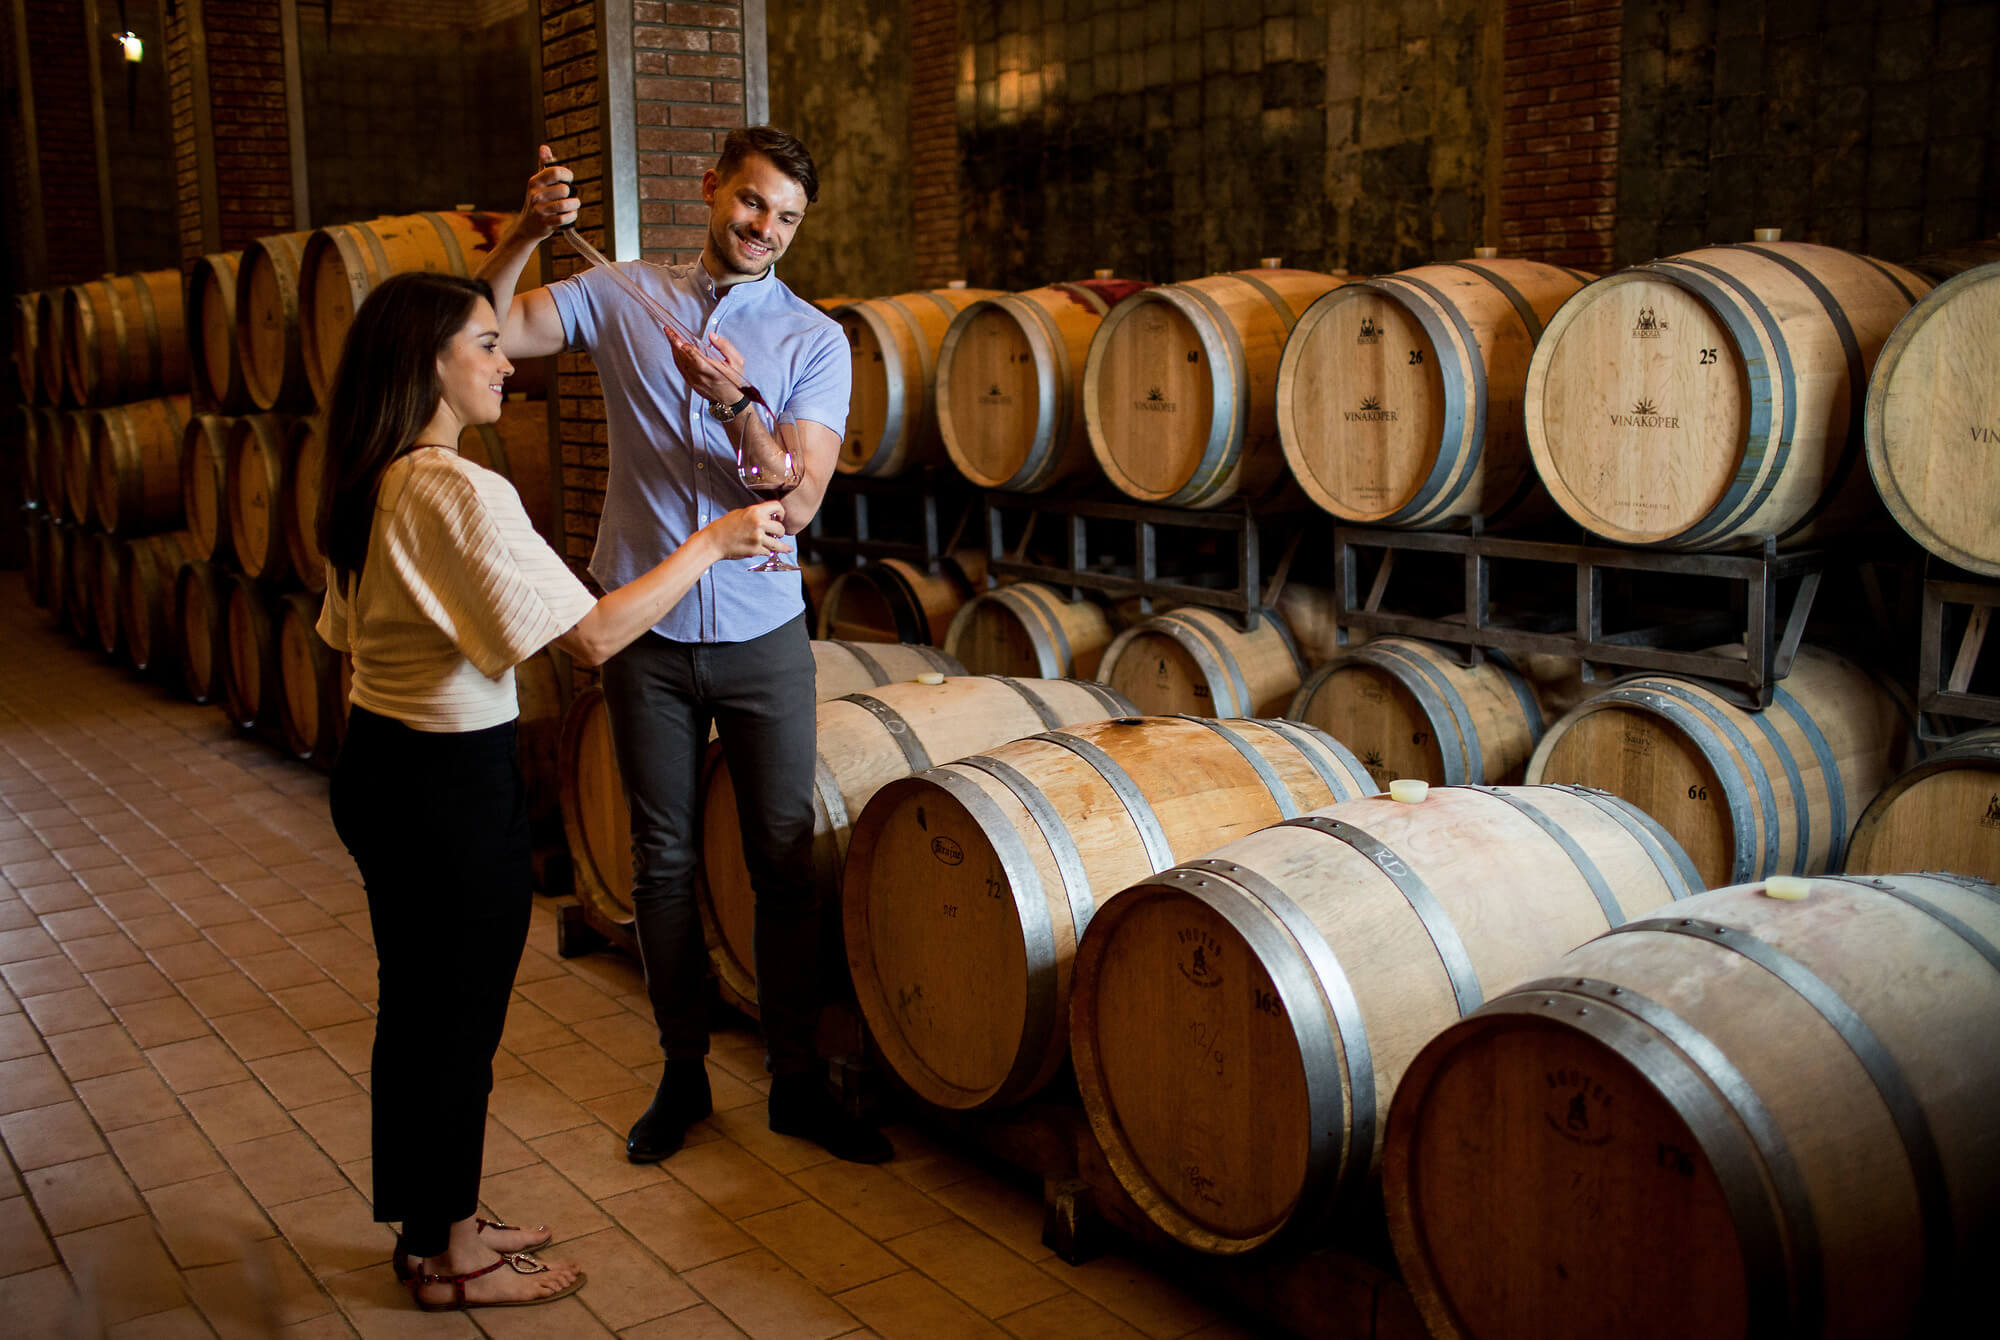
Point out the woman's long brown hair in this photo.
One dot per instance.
(384, 392)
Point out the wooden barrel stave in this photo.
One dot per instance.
(1741, 416)
(1007, 375)
(55, 580)
(1335, 971)
(1409, 710)
(892, 424)
(27, 337)
(269, 345)
(1180, 385)
(343, 263)
(107, 596)
(81, 558)
(1932, 388)
(1791, 1099)
(125, 338)
(50, 340)
(201, 595)
(1748, 794)
(309, 699)
(841, 668)
(255, 487)
(78, 426)
(1399, 398)
(1943, 814)
(215, 366)
(967, 885)
(1200, 661)
(866, 740)
(890, 600)
(135, 465)
(204, 481)
(252, 679)
(1029, 629)
(147, 598)
(298, 510)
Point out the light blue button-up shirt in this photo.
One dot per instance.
(672, 468)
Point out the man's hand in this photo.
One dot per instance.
(551, 203)
(719, 380)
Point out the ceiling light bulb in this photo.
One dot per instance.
(134, 49)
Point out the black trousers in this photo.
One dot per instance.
(661, 697)
(438, 825)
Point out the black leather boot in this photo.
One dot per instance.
(801, 1106)
(681, 1101)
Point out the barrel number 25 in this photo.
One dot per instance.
(1707, 357)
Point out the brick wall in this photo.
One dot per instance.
(1559, 167)
(72, 220)
(453, 15)
(248, 143)
(139, 144)
(182, 129)
(1868, 126)
(936, 198)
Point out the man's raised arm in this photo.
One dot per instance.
(531, 328)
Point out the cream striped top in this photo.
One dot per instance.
(458, 589)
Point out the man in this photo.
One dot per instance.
(735, 651)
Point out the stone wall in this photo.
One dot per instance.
(841, 81)
(1857, 123)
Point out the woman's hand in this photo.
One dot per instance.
(751, 532)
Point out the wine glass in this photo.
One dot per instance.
(772, 480)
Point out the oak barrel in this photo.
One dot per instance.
(252, 679)
(595, 819)
(1747, 794)
(968, 884)
(152, 562)
(1714, 398)
(1408, 709)
(1932, 424)
(135, 465)
(204, 477)
(343, 263)
(215, 367)
(1007, 375)
(107, 605)
(35, 568)
(55, 576)
(890, 600)
(1240, 1021)
(27, 336)
(1180, 384)
(1399, 397)
(201, 598)
(517, 446)
(298, 512)
(80, 560)
(1938, 266)
(1028, 628)
(125, 338)
(73, 451)
(1200, 661)
(33, 422)
(50, 427)
(1750, 1116)
(892, 343)
(50, 339)
(269, 344)
(1943, 814)
(542, 692)
(311, 710)
(866, 740)
(256, 489)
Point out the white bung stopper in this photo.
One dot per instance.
(930, 677)
(1788, 888)
(1409, 790)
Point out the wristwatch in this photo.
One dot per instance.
(724, 413)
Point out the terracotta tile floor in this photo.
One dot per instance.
(186, 993)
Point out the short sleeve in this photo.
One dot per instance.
(578, 313)
(463, 546)
(332, 625)
(825, 382)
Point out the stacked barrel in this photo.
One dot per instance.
(174, 461)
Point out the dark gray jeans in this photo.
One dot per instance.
(661, 697)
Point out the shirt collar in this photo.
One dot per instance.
(753, 290)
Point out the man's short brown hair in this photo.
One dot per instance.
(784, 150)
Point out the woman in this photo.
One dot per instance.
(437, 585)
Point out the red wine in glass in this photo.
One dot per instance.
(771, 481)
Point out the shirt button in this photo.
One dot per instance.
(701, 465)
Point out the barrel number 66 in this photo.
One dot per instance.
(1697, 792)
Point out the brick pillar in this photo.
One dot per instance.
(64, 233)
(934, 153)
(637, 96)
(1559, 173)
(231, 123)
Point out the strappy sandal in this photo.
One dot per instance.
(404, 1274)
(521, 1263)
